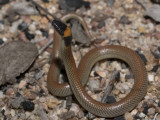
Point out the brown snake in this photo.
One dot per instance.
(78, 76)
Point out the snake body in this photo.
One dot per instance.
(78, 76)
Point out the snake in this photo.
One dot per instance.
(62, 57)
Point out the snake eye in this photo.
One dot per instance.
(59, 26)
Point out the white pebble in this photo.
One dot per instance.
(142, 115)
(13, 112)
(32, 27)
(151, 78)
(75, 108)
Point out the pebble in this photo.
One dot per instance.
(28, 105)
(128, 116)
(9, 92)
(142, 115)
(101, 73)
(28, 95)
(115, 91)
(13, 112)
(52, 102)
(16, 103)
(150, 77)
(1, 41)
(53, 116)
(101, 24)
(44, 33)
(1, 95)
(151, 111)
(157, 109)
(122, 96)
(110, 99)
(134, 112)
(67, 115)
(157, 35)
(29, 35)
(93, 84)
(38, 32)
(75, 108)
(155, 68)
(22, 84)
(22, 26)
(1, 27)
(124, 20)
(158, 117)
(110, 3)
(27, 114)
(32, 27)
(141, 29)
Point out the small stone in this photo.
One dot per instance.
(157, 35)
(110, 99)
(52, 103)
(75, 108)
(145, 110)
(149, 67)
(122, 96)
(22, 26)
(128, 116)
(141, 29)
(151, 88)
(13, 112)
(29, 95)
(151, 77)
(1, 41)
(28, 105)
(29, 35)
(16, 103)
(9, 92)
(44, 33)
(151, 111)
(130, 76)
(142, 115)
(44, 20)
(155, 68)
(102, 74)
(1, 27)
(110, 3)
(67, 115)
(93, 84)
(101, 24)
(134, 112)
(124, 20)
(158, 117)
(22, 84)
(32, 27)
(1, 95)
(53, 116)
(115, 91)
(157, 109)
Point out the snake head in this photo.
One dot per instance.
(61, 28)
